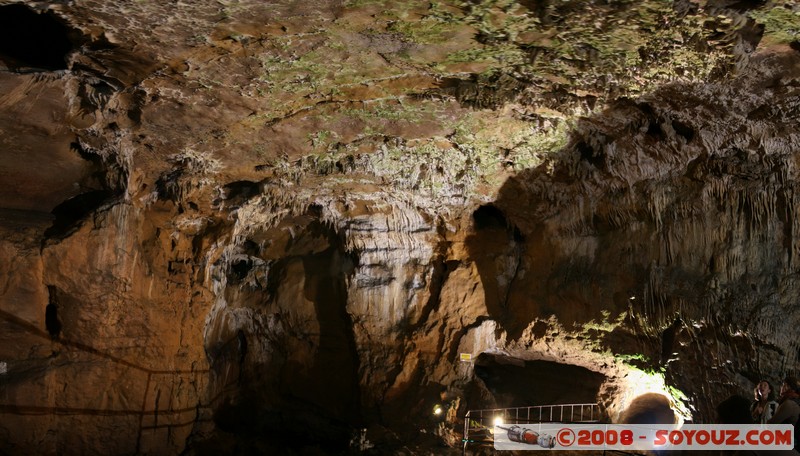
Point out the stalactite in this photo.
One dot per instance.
(718, 188)
(790, 215)
(655, 207)
(669, 248)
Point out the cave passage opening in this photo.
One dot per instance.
(31, 39)
(519, 383)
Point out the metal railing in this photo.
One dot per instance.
(172, 418)
(479, 424)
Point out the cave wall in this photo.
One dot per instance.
(138, 377)
(703, 257)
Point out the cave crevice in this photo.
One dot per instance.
(31, 41)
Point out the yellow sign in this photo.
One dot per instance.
(466, 357)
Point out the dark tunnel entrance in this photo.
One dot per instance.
(649, 408)
(517, 383)
(31, 39)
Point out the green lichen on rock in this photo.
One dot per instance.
(781, 20)
(523, 72)
(391, 110)
(506, 142)
(430, 29)
(602, 49)
(623, 48)
(315, 64)
(480, 151)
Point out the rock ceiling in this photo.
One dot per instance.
(209, 206)
(256, 86)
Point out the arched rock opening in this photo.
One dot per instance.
(496, 247)
(516, 383)
(32, 40)
(649, 408)
(282, 350)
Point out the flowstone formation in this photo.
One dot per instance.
(237, 227)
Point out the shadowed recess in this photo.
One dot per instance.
(28, 39)
(518, 383)
(69, 213)
(649, 408)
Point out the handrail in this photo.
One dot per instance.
(481, 421)
(585, 412)
(23, 410)
(32, 329)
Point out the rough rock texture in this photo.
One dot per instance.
(237, 227)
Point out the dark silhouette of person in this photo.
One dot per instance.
(734, 410)
(668, 338)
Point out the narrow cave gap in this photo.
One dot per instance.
(684, 130)
(518, 383)
(168, 186)
(489, 216)
(326, 275)
(51, 320)
(314, 210)
(99, 186)
(71, 212)
(251, 248)
(540, 8)
(738, 5)
(239, 192)
(33, 40)
(654, 130)
(668, 339)
(276, 276)
(440, 271)
(496, 247)
(590, 155)
(278, 399)
(100, 175)
(239, 270)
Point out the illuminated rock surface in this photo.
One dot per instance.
(241, 227)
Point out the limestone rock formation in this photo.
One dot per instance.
(237, 227)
